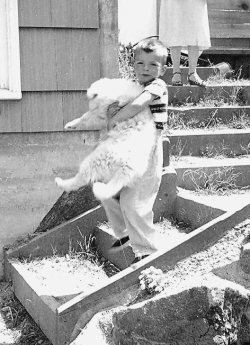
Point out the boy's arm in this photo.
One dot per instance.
(132, 108)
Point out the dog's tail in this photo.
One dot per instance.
(104, 191)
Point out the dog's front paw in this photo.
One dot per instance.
(59, 182)
(100, 191)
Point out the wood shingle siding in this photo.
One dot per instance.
(229, 22)
(65, 45)
(59, 13)
(41, 111)
(59, 59)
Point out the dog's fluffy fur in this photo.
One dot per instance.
(124, 154)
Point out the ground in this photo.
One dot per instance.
(17, 328)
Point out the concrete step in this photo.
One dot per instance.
(224, 115)
(227, 93)
(204, 73)
(204, 143)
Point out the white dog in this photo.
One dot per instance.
(124, 153)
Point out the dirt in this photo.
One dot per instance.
(220, 258)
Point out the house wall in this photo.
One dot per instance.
(65, 45)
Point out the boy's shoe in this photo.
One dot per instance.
(139, 258)
(119, 244)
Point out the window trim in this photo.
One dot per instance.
(13, 53)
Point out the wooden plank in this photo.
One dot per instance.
(227, 51)
(228, 16)
(38, 59)
(230, 30)
(77, 58)
(229, 4)
(58, 13)
(108, 11)
(42, 111)
(58, 59)
(60, 236)
(75, 13)
(230, 42)
(10, 116)
(42, 308)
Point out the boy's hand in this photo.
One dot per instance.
(113, 109)
(111, 112)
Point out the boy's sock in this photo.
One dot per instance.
(139, 258)
(119, 244)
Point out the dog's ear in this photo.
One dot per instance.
(113, 109)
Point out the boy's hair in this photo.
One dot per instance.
(150, 45)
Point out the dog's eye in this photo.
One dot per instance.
(102, 117)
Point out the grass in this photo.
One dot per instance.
(181, 121)
(22, 327)
(222, 181)
(85, 254)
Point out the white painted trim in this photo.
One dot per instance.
(13, 55)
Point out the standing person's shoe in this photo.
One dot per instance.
(139, 258)
(197, 81)
(119, 244)
(177, 82)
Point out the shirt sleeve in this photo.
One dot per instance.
(157, 88)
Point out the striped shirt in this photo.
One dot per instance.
(158, 106)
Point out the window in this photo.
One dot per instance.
(10, 78)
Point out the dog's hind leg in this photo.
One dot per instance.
(104, 191)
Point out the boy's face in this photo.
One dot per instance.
(148, 66)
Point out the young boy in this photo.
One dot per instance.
(131, 214)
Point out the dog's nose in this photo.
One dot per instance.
(68, 126)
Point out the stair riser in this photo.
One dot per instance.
(193, 177)
(202, 145)
(199, 115)
(223, 94)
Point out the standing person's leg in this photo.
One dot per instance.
(193, 77)
(137, 204)
(113, 211)
(175, 57)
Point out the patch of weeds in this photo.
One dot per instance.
(211, 122)
(178, 120)
(217, 152)
(16, 318)
(222, 151)
(212, 100)
(227, 319)
(239, 121)
(245, 150)
(152, 280)
(221, 181)
(126, 61)
(176, 151)
(84, 251)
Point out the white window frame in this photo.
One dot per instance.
(13, 73)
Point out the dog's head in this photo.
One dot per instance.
(106, 97)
